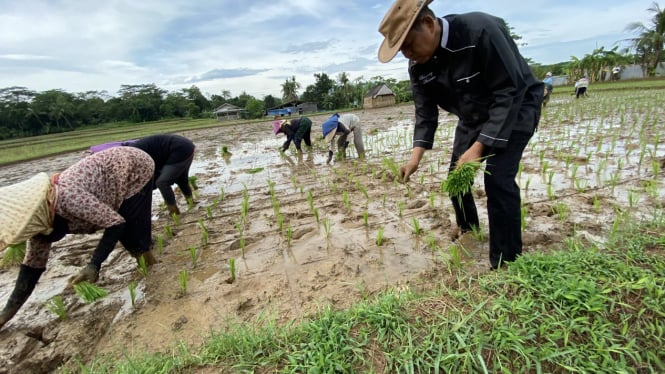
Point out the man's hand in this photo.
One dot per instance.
(472, 154)
(406, 170)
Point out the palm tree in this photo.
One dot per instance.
(649, 44)
(290, 90)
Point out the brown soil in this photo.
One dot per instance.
(277, 277)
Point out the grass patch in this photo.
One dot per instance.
(577, 309)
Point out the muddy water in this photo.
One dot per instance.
(574, 177)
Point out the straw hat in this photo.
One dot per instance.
(396, 24)
(25, 209)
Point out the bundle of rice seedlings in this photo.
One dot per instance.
(89, 292)
(13, 255)
(460, 180)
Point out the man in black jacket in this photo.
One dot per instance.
(296, 130)
(468, 65)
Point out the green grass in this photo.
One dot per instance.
(578, 308)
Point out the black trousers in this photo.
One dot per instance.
(137, 212)
(503, 200)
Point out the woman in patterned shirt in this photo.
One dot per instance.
(111, 191)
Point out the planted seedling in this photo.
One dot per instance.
(143, 266)
(132, 292)
(232, 270)
(56, 305)
(183, 280)
(379, 236)
(416, 226)
(89, 292)
(192, 254)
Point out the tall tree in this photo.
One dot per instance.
(290, 89)
(651, 40)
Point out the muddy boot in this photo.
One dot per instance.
(173, 209)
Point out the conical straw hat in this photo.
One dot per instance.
(24, 209)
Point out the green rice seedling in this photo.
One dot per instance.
(550, 192)
(561, 210)
(89, 292)
(176, 218)
(460, 180)
(192, 254)
(294, 181)
(232, 269)
(523, 214)
(633, 198)
(345, 199)
(416, 226)
(365, 218)
(289, 235)
(183, 280)
(209, 212)
(255, 170)
(143, 267)
(363, 189)
(455, 257)
(192, 182)
(190, 202)
(432, 197)
(316, 215)
(56, 305)
(132, 292)
(204, 232)
(280, 221)
(580, 184)
(160, 245)
(431, 241)
(379, 236)
(221, 194)
(400, 208)
(310, 199)
(391, 165)
(478, 233)
(169, 231)
(596, 204)
(13, 255)
(326, 227)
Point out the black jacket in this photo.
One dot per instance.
(478, 74)
(165, 149)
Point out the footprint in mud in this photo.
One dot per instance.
(416, 204)
(301, 232)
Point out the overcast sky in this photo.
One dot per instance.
(255, 45)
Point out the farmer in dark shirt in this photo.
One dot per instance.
(173, 155)
(296, 130)
(468, 65)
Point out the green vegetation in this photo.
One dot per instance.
(89, 292)
(13, 255)
(576, 309)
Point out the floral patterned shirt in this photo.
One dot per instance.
(90, 192)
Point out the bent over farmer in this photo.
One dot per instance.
(110, 190)
(343, 125)
(296, 130)
(469, 65)
(173, 155)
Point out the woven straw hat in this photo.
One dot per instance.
(396, 24)
(24, 210)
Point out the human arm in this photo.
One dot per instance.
(25, 284)
(411, 166)
(474, 153)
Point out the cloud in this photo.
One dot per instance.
(222, 74)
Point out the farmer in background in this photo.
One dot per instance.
(173, 155)
(343, 125)
(110, 190)
(580, 87)
(296, 130)
(469, 65)
(548, 88)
